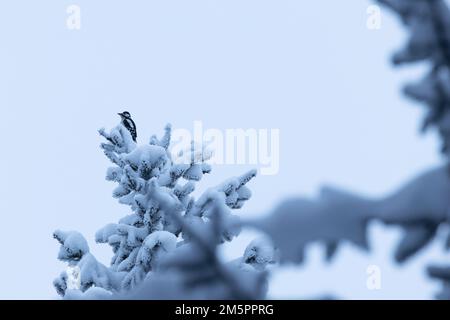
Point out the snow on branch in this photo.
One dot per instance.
(428, 23)
(170, 235)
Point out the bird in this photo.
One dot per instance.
(129, 124)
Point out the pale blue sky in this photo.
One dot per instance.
(309, 68)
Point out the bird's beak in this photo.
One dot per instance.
(120, 114)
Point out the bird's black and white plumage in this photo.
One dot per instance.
(128, 123)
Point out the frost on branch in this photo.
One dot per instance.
(170, 236)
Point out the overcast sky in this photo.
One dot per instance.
(311, 69)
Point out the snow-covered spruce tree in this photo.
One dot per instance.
(422, 205)
(428, 23)
(167, 246)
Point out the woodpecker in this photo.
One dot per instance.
(128, 123)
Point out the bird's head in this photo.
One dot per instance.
(125, 114)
